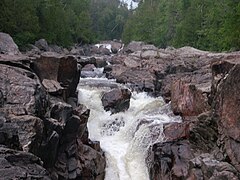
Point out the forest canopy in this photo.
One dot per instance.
(62, 22)
(204, 24)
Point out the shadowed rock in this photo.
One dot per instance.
(116, 100)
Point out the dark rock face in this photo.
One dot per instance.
(206, 166)
(62, 69)
(140, 80)
(187, 99)
(34, 118)
(7, 45)
(171, 160)
(22, 92)
(212, 139)
(226, 105)
(116, 100)
(52, 87)
(21, 165)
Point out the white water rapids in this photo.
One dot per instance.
(125, 137)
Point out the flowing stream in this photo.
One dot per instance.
(125, 137)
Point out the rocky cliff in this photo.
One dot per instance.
(203, 88)
(43, 129)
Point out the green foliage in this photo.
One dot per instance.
(108, 19)
(18, 18)
(205, 24)
(62, 22)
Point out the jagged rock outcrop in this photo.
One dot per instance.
(211, 116)
(226, 106)
(116, 100)
(35, 119)
(188, 100)
(7, 45)
(21, 165)
(62, 69)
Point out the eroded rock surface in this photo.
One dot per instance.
(116, 100)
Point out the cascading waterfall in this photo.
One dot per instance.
(127, 136)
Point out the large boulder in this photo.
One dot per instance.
(115, 45)
(116, 100)
(226, 107)
(34, 121)
(29, 129)
(170, 160)
(22, 92)
(139, 79)
(205, 166)
(21, 165)
(188, 100)
(134, 46)
(63, 69)
(42, 44)
(7, 45)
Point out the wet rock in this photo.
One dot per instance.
(83, 113)
(30, 131)
(72, 164)
(116, 100)
(33, 120)
(206, 166)
(8, 134)
(21, 165)
(170, 160)
(49, 148)
(101, 62)
(93, 159)
(176, 131)
(1, 99)
(116, 46)
(86, 60)
(140, 79)
(101, 50)
(88, 67)
(204, 133)
(89, 74)
(60, 111)
(53, 87)
(23, 94)
(7, 45)
(42, 44)
(187, 99)
(226, 109)
(62, 69)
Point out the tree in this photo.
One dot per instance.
(15, 18)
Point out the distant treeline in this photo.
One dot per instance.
(62, 22)
(204, 24)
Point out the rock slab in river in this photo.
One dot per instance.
(116, 100)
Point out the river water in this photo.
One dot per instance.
(125, 137)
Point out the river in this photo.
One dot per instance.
(126, 137)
